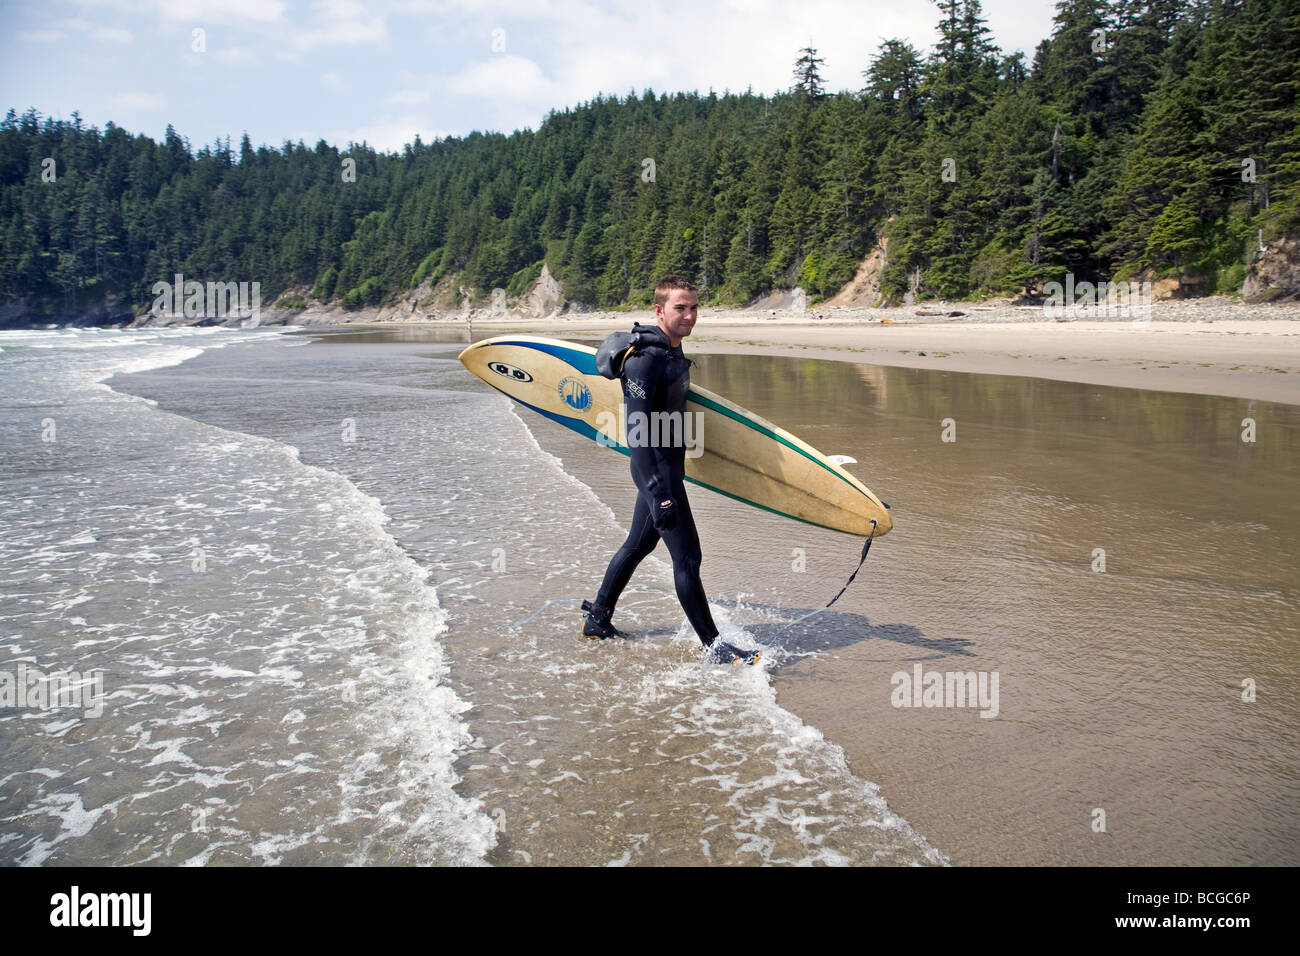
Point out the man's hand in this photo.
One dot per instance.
(665, 515)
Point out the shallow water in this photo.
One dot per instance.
(340, 682)
(1123, 560)
(564, 750)
(271, 686)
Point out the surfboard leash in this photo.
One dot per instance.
(866, 548)
(556, 601)
(863, 560)
(544, 607)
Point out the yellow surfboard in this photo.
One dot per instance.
(736, 453)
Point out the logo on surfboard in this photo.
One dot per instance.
(509, 371)
(575, 394)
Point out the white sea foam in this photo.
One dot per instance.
(751, 780)
(237, 647)
(295, 693)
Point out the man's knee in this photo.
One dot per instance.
(644, 548)
(688, 565)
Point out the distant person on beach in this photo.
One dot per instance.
(656, 377)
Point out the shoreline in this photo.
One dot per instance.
(810, 691)
(1249, 358)
(1245, 359)
(913, 765)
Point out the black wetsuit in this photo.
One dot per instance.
(655, 379)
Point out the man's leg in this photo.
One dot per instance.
(683, 543)
(641, 540)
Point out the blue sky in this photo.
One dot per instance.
(382, 72)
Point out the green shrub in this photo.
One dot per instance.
(324, 289)
(426, 266)
(521, 280)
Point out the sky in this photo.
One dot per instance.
(383, 72)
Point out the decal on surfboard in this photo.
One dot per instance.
(575, 394)
(509, 371)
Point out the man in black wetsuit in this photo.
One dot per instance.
(655, 379)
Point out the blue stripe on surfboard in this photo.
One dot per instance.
(583, 361)
(573, 424)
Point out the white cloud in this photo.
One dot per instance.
(41, 36)
(340, 23)
(409, 98)
(201, 12)
(342, 9)
(502, 92)
(97, 31)
(137, 100)
(112, 34)
(618, 45)
(234, 54)
(501, 77)
(222, 11)
(388, 134)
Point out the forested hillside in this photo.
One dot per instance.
(1155, 138)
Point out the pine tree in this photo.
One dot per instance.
(807, 75)
(894, 79)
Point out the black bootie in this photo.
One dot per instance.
(597, 624)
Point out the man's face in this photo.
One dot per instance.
(677, 316)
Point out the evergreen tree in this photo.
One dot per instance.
(807, 74)
(1150, 137)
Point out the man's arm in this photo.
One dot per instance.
(642, 388)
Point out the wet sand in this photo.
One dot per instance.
(1120, 689)
(1122, 736)
(1251, 359)
(1202, 346)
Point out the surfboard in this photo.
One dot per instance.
(730, 450)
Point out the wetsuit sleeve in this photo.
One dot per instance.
(644, 391)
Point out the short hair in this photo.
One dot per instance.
(670, 283)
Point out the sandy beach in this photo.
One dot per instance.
(951, 781)
(1207, 347)
(1259, 360)
(359, 499)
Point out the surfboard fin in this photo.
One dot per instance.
(842, 459)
